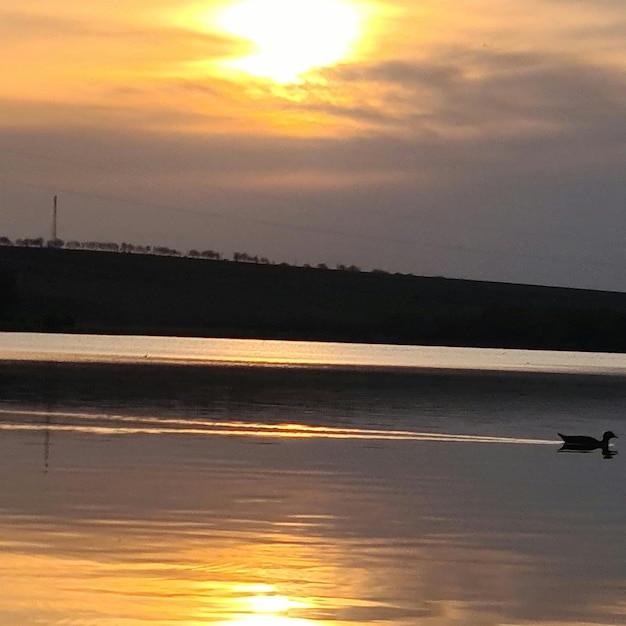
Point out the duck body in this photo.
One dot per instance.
(582, 442)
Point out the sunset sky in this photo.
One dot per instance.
(476, 139)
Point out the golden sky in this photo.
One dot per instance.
(450, 101)
(306, 66)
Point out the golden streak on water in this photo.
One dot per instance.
(156, 426)
(151, 586)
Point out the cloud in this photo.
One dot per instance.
(56, 57)
(20, 26)
(404, 73)
(375, 202)
(488, 161)
(494, 93)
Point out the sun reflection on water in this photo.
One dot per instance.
(109, 517)
(267, 609)
(269, 604)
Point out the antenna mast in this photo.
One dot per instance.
(54, 219)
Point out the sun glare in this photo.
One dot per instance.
(269, 604)
(291, 37)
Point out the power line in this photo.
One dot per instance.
(111, 170)
(313, 229)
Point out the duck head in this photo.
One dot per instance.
(609, 434)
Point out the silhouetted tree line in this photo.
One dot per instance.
(129, 248)
(103, 246)
(205, 254)
(244, 257)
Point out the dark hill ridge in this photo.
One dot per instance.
(101, 292)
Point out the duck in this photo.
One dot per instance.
(582, 442)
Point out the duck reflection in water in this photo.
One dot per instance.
(582, 443)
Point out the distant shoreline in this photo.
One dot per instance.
(59, 290)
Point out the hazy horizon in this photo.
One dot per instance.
(469, 140)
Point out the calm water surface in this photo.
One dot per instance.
(155, 481)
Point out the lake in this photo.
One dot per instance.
(184, 482)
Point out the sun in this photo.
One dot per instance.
(291, 37)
